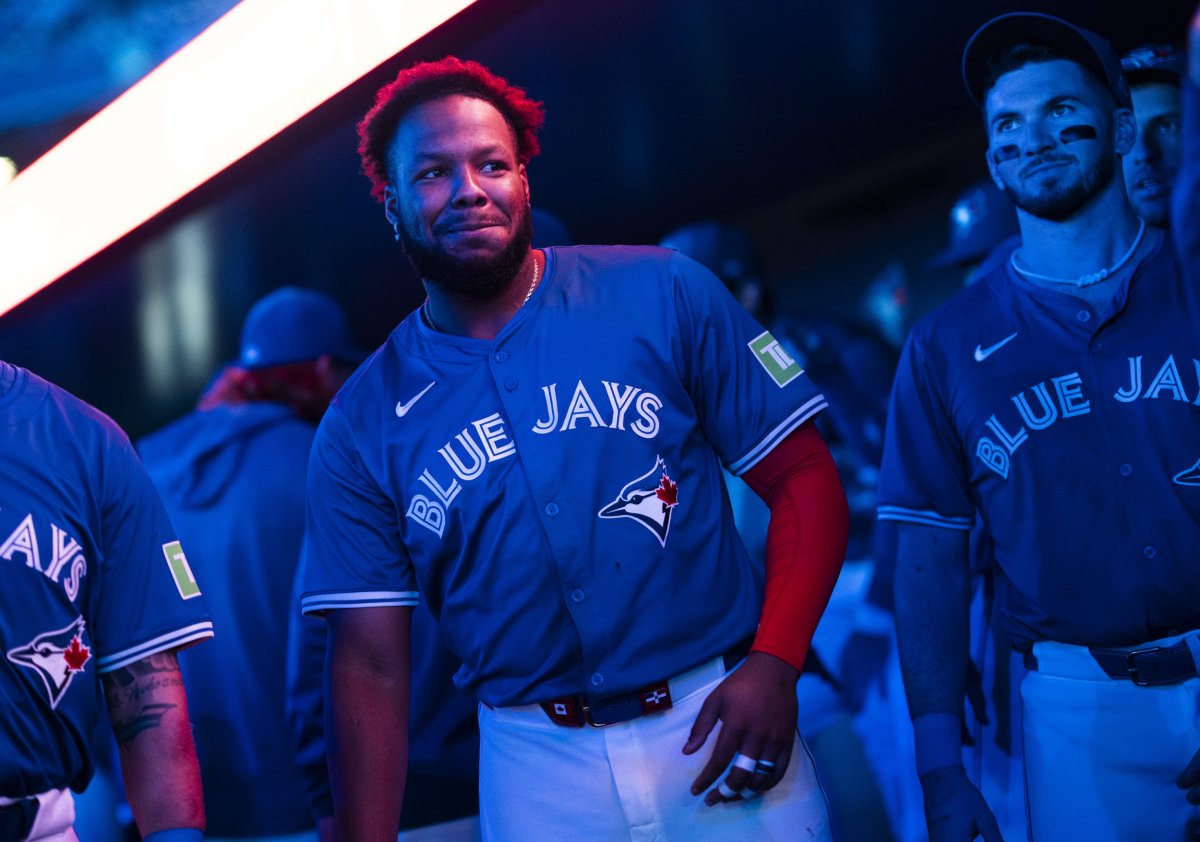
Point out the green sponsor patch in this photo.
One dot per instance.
(181, 572)
(771, 356)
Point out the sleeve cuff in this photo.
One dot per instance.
(780, 432)
(319, 603)
(925, 517)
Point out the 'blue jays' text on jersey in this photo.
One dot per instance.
(1075, 432)
(94, 579)
(556, 493)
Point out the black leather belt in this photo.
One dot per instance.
(16, 819)
(1146, 667)
(578, 711)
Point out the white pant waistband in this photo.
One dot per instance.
(1067, 660)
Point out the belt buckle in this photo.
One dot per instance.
(1134, 676)
(611, 712)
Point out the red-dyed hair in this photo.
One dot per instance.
(431, 80)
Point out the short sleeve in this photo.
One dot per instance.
(353, 555)
(748, 390)
(149, 600)
(923, 478)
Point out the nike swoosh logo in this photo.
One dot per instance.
(982, 354)
(403, 408)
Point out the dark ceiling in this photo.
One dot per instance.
(823, 128)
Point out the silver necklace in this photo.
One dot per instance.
(428, 317)
(1085, 280)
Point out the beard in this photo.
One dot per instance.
(478, 278)
(1060, 201)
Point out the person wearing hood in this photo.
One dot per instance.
(232, 477)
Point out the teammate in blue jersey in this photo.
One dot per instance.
(232, 477)
(537, 454)
(97, 598)
(1056, 400)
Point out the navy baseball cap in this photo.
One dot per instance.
(1153, 63)
(982, 218)
(1074, 42)
(292, 325)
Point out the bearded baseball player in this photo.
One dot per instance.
(1057, 401)
(537, 454)
(97, 596)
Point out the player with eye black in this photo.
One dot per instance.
(1055, 402)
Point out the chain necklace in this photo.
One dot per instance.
(1085, 280)
(428, 317)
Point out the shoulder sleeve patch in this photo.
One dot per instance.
(772, 357)
(181, 571)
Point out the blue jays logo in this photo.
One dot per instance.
(56, 657)
(649, 500)
(1189, 476)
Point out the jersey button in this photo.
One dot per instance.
(578, 595)
(510, 384)
(1126, 470)
(1083, 316)
(597, 680)
(501, 356)
(552, 509)
(1149, 552)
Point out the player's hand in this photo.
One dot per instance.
(757, 707)
(954, 809)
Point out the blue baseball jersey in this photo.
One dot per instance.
(1074, 431)
(94, 579)
(556, 493)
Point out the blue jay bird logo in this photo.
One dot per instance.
(649, 500)
(1189, 476)
(56, 657)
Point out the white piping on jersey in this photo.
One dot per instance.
(358, 599)
(170, 640)
(925, 517)
(814, 405)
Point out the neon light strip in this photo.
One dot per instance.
(250, 75)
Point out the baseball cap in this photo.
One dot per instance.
(1076, 43)
(1153, 63)
(981, 218)
(292, 325)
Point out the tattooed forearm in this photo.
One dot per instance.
(140, 695)
(151, 717)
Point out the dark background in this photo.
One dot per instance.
(838, 134)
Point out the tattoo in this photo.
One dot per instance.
(151, 717)
(131, 694)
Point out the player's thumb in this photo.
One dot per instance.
(703, 725)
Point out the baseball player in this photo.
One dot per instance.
(537, 453)
(232, 476)
(98, 596)
(1055, 399)
(1153, 72)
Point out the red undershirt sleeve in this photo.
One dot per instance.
(806, 540)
